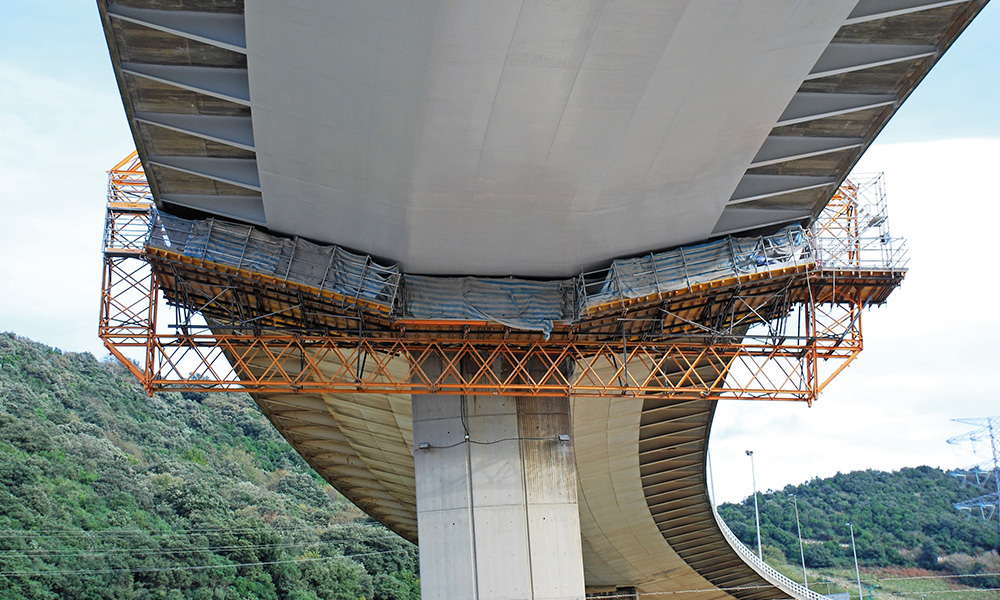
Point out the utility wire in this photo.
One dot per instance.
(956, 576)
(933, 592)
(186, 568)
(22, 533)
(90, 552)
(632, 595)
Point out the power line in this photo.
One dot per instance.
(935, 592)
(956, 576)
(187, 567)
(21, 533)
(149, 550)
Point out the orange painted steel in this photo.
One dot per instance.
(277, 363)
(790, 366)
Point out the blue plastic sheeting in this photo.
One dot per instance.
(681, 268)
(516, 303)
(328, 268)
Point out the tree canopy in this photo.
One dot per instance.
(106, 492)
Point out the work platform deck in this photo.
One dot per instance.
(774, 317)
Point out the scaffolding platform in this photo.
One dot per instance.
(771, 317)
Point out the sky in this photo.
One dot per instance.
(930, 355)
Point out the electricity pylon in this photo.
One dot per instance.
(988, 430)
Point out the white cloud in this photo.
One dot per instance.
(57, 140)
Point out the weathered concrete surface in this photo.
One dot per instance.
(496, 492)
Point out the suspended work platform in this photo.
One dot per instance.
(771, 317)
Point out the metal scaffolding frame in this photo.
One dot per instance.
(778, 334)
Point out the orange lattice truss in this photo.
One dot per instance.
(785, 333)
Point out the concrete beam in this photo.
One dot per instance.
(223, 30)
(243, 208)
(218, 82)
(783, 148)
(872, 10)
(232, 131)
(756, 187)
(843, 58)
(241, 172)
(809, 106)
(734, 218)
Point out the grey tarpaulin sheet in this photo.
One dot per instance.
(328, 268)
(516, 303)
(680, 268)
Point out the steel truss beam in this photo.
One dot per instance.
(809, 324)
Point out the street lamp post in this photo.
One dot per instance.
(756, 510)
(802, 552)
(857, 572)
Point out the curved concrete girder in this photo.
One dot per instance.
(623, 544)
(315, 440)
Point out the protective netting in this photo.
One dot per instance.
(328, 268)
(690, 265)
(516, 303)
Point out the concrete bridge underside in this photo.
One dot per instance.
(433, 133)
(645, 516)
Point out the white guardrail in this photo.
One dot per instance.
(793, 588)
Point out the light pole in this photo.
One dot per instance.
(857, 572)
(802, 552)
(756, 511)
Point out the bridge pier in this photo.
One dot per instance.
(497, 511)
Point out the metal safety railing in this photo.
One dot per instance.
(779, 579)
(683, 268)
(127, 221)
(852, 234)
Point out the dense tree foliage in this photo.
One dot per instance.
(905, 518)
(108, 493)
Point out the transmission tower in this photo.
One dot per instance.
(987, 430)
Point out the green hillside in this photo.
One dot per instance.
(905, 528)
(108, 493)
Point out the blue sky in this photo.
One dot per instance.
(930, 354)
(960, 96)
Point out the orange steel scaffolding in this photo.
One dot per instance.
(794, 329)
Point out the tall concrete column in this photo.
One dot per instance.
(497, 511)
